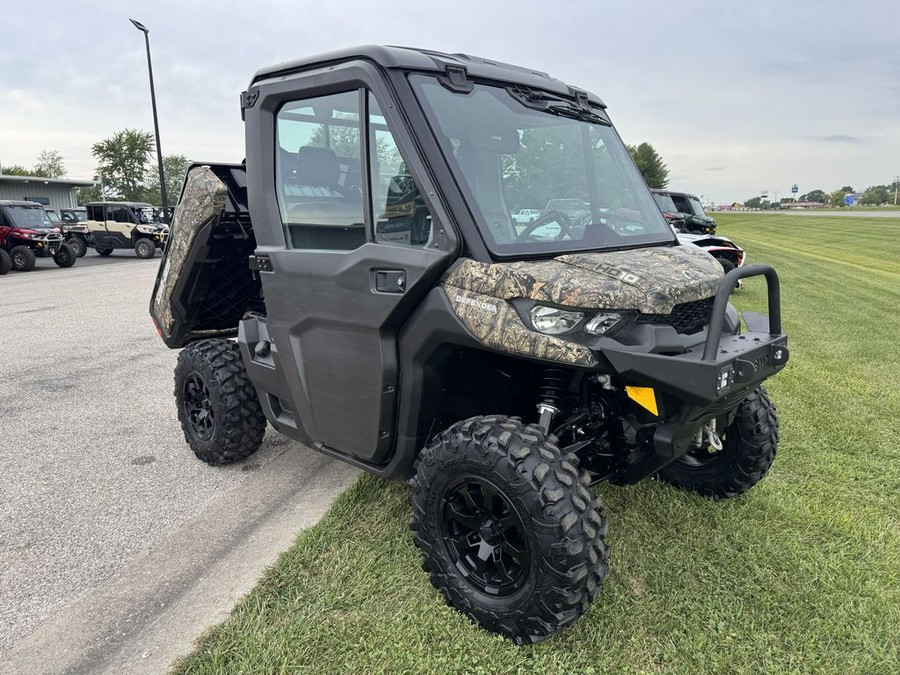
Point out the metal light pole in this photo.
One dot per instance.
(162, 176)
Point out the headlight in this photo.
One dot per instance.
(553, 321)
(602, 322)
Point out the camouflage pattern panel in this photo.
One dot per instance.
(202, 200)
(665, 275)
(650, 280)
(495, 324)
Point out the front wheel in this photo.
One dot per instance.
(65, 257)
(218, 407)
(23, 259)
(507, 528)
(145, 248)
(748, 449)
(78, 245)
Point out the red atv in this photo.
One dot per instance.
(27, 234)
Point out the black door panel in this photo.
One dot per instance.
(342, 336)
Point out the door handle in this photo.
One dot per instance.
(390, 281)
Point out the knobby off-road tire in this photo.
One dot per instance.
(5, 262)
(104, 251)
(726, 264)
(23, 259)
(145, 248)
(748, 449)
(507, 528)
(78, 245)
(218, 407)
(65, 257)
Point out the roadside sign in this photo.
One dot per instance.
(794, 189)
(849, 200)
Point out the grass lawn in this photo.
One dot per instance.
(801, 574)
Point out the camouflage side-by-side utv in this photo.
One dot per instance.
(360, 284)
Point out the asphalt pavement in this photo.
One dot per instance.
(117, 546)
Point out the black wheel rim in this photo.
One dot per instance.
(198, 407)
(18, 259)
(485, 536)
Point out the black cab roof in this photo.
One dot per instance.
(673, 192)
(425, 60)
(20, 202)
(139, 205)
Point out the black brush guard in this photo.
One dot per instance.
(710, 379)
(722, 367)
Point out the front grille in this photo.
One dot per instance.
(687, 318)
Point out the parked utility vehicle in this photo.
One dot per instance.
(27, 234)
(505, 372)
(120, 225)
(687, 209)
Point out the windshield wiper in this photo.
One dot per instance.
(576, 113)
(556, 105)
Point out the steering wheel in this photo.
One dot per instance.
(559, 217)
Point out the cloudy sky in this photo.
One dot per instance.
(737, 96)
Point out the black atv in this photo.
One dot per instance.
(361, 285)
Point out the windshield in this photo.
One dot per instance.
(74, 216)
(696, 206)
(665, 203)
(147, 215)
(53, 216)
(512, 149)
(28, 217)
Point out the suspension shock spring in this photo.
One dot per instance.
(551, 393)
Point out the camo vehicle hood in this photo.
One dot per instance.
(649, 280)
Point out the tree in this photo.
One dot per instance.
(814, 196)
(875, 195)
(836, 198)
(124, 160)
(50, 164)
(175, 167)
(650, 164)
(15, 170)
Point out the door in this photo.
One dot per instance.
(119, 224)
(360, 250)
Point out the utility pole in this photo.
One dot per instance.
(159, 158)
(896, 186)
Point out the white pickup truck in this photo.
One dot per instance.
(526, 216)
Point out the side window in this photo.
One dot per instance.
(118, 213)
(95, 213)
(400, 213)
(318, 172)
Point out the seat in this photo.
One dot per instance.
(318, 172)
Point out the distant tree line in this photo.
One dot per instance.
(126, 169)
(874, 195)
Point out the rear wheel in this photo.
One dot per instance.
(65, 257)
(507, 528)
(218, 407)
(5, 262)
(748, 449)
(104, 251)
(23, 258)
(145, 248)
(78, 245)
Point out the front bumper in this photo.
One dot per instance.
(47, 246)
(723, 368)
